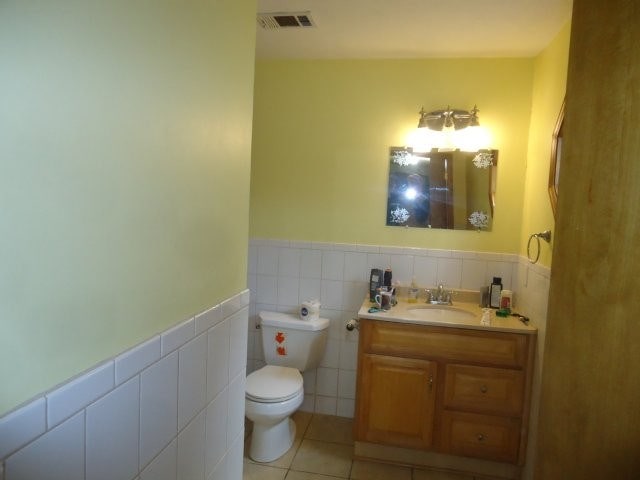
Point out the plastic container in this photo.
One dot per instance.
(506, 299)
(412, 293)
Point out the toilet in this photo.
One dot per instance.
(275, 391)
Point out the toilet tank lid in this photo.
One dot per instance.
(285, 320)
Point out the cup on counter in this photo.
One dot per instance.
(383, 300)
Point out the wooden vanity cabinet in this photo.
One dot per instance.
(400, 406)
(448, 390)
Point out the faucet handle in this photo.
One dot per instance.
(450, 295)
(428, 294)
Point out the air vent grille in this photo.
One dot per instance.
(274, 21)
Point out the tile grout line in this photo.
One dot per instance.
(298, 447)
(84, 444)
(138, 466)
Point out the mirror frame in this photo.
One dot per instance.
(556, 158)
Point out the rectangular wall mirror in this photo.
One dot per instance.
(451, 190)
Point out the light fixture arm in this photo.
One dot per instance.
(447, 118)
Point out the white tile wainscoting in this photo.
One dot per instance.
(282, 274)
(170, 408)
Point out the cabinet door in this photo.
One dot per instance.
(396, 398)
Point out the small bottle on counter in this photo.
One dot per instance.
(412, 294)
(494, 292)
(506, 298)
(387, 278)
(484, 297)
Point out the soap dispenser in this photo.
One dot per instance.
(494, 292)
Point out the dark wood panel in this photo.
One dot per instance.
(589, 418)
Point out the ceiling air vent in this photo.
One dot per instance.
(274, 21)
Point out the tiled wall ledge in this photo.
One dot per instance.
(169, 408)
(284, 273)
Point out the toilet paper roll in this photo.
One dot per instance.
(310, 310)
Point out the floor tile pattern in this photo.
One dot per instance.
(323, 450)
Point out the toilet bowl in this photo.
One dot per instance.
(272, 394)
(275, 391)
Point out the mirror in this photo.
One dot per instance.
(554, 165)
(451, 190)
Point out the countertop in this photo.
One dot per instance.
(402, 313)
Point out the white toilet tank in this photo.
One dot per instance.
(290, 342)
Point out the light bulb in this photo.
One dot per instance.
(423, 139)
(472, 139)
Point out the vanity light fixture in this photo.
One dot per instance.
(439, 119)
(449, 129)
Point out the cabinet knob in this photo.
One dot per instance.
(430, 382)
(481, 437)
(484, 389)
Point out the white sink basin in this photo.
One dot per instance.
(440, 313)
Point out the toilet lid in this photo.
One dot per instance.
(272, 383)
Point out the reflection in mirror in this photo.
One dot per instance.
(554, 165)
(452, 190)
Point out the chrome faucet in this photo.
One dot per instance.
(439, 296)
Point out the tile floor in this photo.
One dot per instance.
(323, 450)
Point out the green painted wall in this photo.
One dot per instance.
(322, 130)
(549, 86)
(125, 133)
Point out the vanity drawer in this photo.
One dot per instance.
(494, 391)
(483, 436)
(419, 341)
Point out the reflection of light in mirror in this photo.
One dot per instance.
(410, 193)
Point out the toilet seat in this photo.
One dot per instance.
(272, 384)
